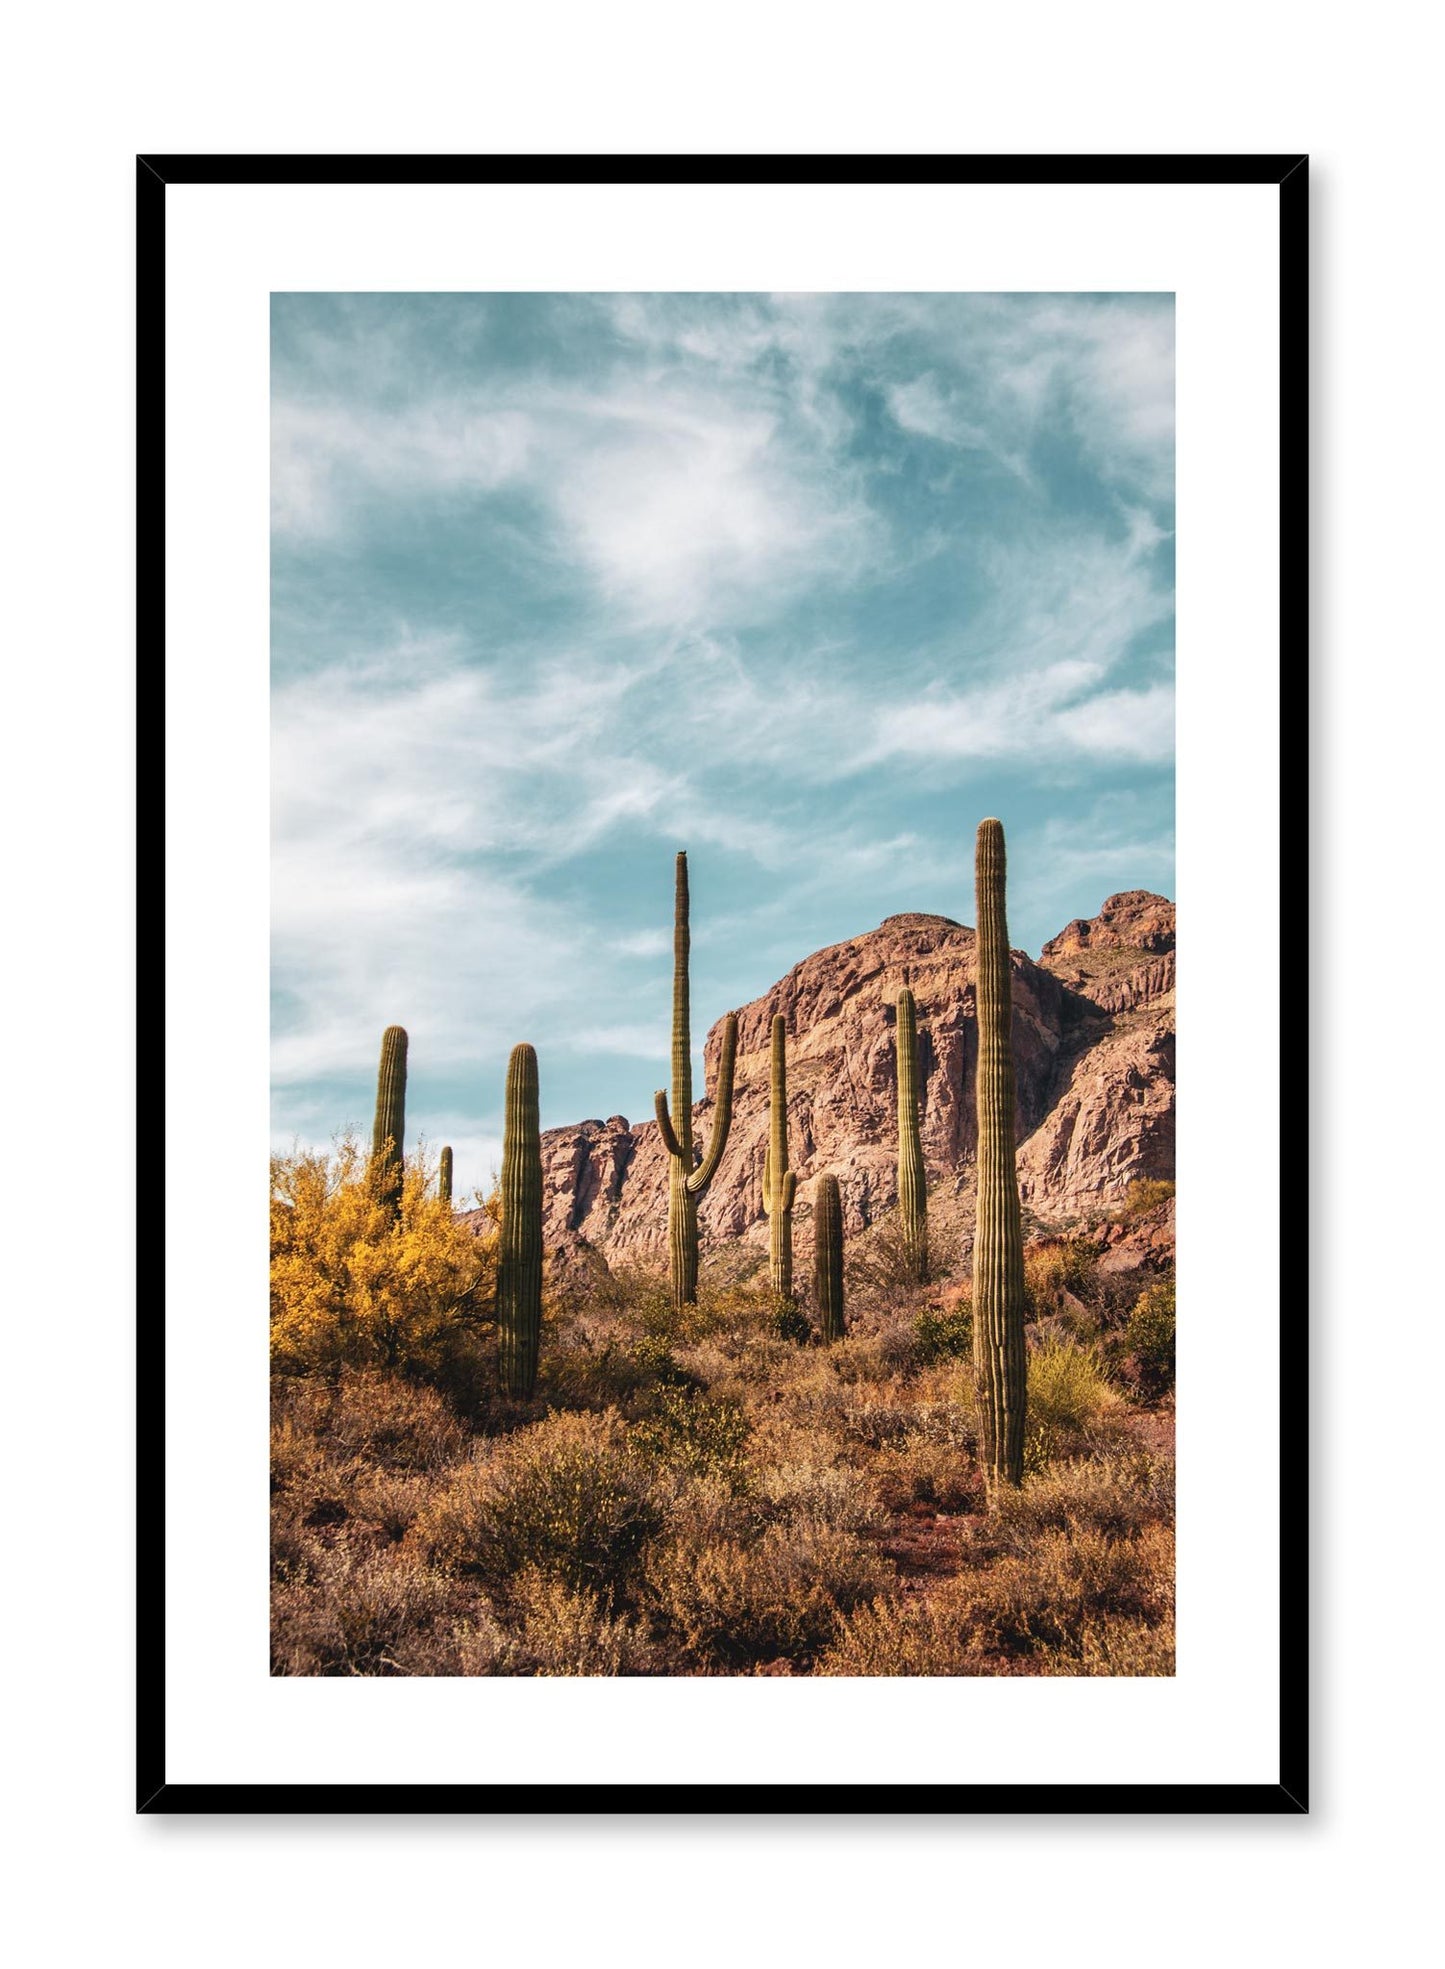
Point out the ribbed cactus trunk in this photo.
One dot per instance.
(828, 1256)
(519, 1256)
(912, 1182)
(999, 1359)
(388, 1131)
(779, 1183)
(686, 1182)
(444, 1177)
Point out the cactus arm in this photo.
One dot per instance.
(444, 1177)
(767, 1181)
(722, 1119)
(790, 1188)
(664, 1124)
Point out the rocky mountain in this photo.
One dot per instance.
(1093, 1028)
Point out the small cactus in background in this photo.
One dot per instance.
(780, 1185)
(444, 1177)
(999, 1294)
(519, 1254)
(686, 1182)
(912, 1182)
(828, 1256)
(388, 1131)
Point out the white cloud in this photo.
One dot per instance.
(325, 456)
(637, 1042)
(1007, 371)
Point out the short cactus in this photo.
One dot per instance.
(689, 1182)
(444, 1177)
(780, 1185)
(912, 1182)
(388, 1133)
(828, 1257)
(999, 1356)
(519, 1255)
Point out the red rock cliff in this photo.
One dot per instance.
(1093, 1050)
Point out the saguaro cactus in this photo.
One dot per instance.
(828, 1256)
(444, 1177)
(912, 1183)
(780, 1185)
(519, 1254)
(388, 1132)
(999, 1359)
(689, 1181)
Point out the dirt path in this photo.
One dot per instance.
(926, 1545)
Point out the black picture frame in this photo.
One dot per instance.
(155, 172)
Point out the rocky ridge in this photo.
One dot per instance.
(1093, 1029)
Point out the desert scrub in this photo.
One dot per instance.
(1110, 1644)
(1148, 1342)
(1144, 1193)
(944, 1332)
(357, 1611)
(1053, 1595)
(570, 1496)
(921, 1469)
(589, 1365)
(794, 1479)
(1084, 1605)
(690, 1433)
(732, 1604)
(1057, 1267)
(542, 1628)
(378, 1418)
(1116, 1495)
(1070, 1396)
(922, 1634)
(879, 1272)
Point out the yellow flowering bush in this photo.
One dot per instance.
(354, 1285)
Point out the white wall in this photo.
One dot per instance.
(89, 88)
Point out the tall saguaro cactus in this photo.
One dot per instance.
(999, 1359)
(388, 1131)
(912, 1182)
(780, 1185)
(519, 1255)
(828, 1256)
(688, 1180)
(444, 1177)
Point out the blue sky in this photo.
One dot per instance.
(804, 584)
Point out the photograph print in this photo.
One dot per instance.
(722, 1178)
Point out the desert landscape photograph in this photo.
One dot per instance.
(723, 985)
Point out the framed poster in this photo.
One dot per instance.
(751, 651)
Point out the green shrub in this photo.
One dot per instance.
(1058, 1266)
(779, 1596)
(1143, 1193)
(1149, 1342)
(692, 1434)
(944, 1332)
(570, 1496)
(1052, 1594)
(1068, 1389)
(1115, 1495)
(790, 1322)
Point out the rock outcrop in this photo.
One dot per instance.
(1093, 1027)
